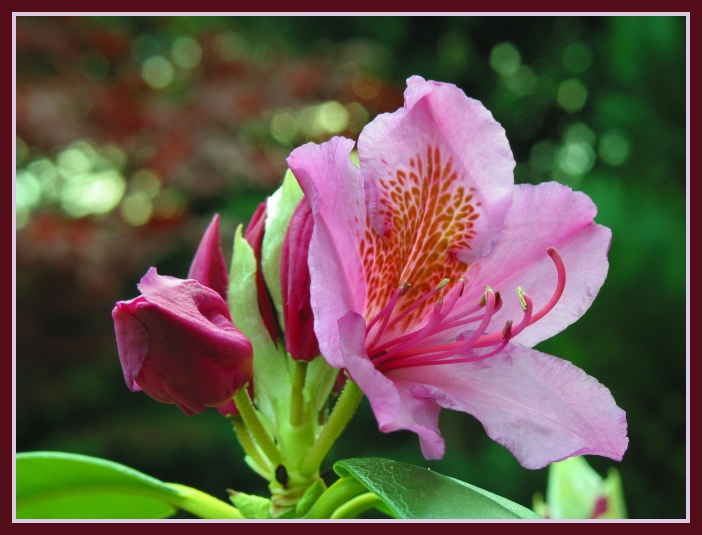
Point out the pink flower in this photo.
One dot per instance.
(177, 342)
(401, 256)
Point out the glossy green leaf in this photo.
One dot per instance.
(65, 485)
(413, 492)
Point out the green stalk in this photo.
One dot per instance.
(298, 399)
(255, 427)
(249, 446)
(202, 504)
(337, 495)
(338, 420)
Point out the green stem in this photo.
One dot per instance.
(248, 445)
(338, 420)
(356, 506)
(298, 399)
(202, 504)
(258, 433)
(336, 496)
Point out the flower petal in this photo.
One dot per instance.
(394, 406)
(543, 216)
(208, 266)
(334, 188)
(132, 341)
(543, 409)
(443, 165)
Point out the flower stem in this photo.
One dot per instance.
(297, 401)
(258, 433)
(356, 506)
(338, 420)
(336, 496)
(202, 504)
(248, 445)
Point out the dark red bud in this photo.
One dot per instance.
(300, 339)
(254, 235)
(178, 344)
(208, 266)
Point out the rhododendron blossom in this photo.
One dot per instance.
(433, 275)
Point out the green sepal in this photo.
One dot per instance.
(251, 505)
(279, 211)
(574, 488)
(272, 366)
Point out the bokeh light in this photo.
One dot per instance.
(572, 95)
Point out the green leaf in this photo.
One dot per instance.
(66, 485)
(413, 492)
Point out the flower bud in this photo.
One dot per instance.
(208, 266)
(177, 343)
(254, 235)
(300, 339)
(576, 491)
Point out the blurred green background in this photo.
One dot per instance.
(132, 131)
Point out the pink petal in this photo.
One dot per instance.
(394, 406)
(543, 409)
(442, 149)
(208, 266)
(543, 216)
(334, 188)
(132, 341)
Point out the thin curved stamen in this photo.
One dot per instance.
(460, 319)
(560, 268)
(445, 358)
(386, 313)
(412, 338)
(407, 350)
(417, 303)
(419, 347)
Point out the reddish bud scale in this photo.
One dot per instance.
(254, 236)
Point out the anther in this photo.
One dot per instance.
(442, 284)
(522, 301)
(507, 329)
(484, 298)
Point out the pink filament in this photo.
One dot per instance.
(415, 348)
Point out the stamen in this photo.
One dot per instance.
(386, 313)
(560, 268)
(430, 360)
(418, 302)
(418, 348)
(443, 350)
(410, 339)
